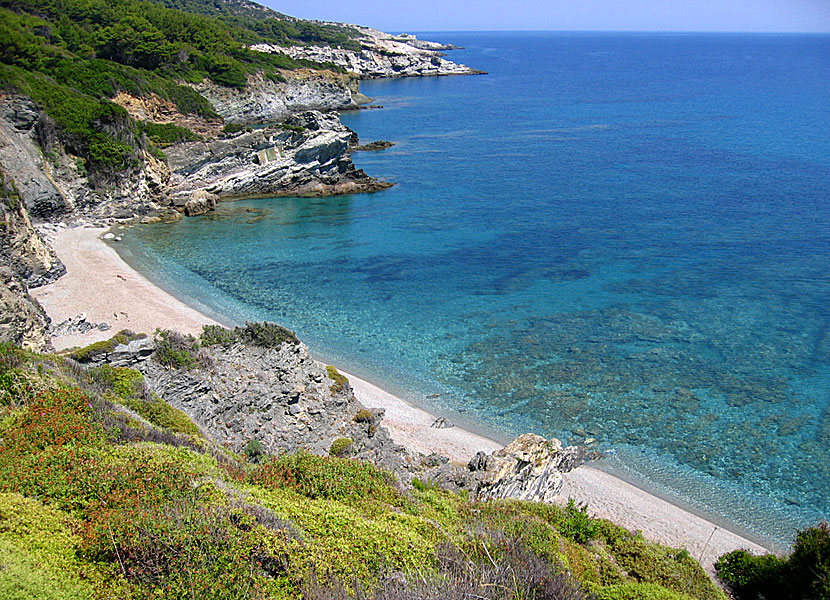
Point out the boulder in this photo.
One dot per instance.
(200, 202)
(528, 468)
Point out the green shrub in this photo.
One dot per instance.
(637, 591)
(159, 413)
(340, 381)
(122, 381)
(191, 549)
(15, 387)
(267, 335)
(424, 486)
(340, 446)
(264, 335)
(255, 451)
(364, 416)
(576, 525)
(216, 335)
(327, 477)
(231, 128)
(38, 553)
(805, 575)
(100, 349)
(178, 351)
(166, 134)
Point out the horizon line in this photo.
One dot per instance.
(660, 31)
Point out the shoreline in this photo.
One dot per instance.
(101, 285)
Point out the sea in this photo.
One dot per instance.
(616, 239)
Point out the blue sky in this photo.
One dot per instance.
(603, 15)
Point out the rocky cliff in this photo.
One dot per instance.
(381, 55)
(54, 184)
(266, 101)
(305, 155)
(25, 261)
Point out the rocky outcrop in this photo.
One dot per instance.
(25, 261)
(22, 320)
(305, 155)
(286, 401)
(373, 146)
(281, 398)
(266, 101)
(382, 55)
(528, 468)
(200, 202)
(55, 184)
(151, 107)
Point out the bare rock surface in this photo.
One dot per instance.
(281, 398)
(382, 55)
(528, 468)
(305, 155)
(268, 101)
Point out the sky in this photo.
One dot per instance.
(396, 16)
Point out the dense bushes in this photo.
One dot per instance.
(166, 134)
(264, 335)
(805, 575)
(327, 477)
(179, 351)
(90, 508)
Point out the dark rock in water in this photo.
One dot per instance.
(442, 423)
(373, 146)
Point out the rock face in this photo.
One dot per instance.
(307, 155)
(528, 468)
(287, 401)
(25, 261)
(280, 397)
(53, 183)
(267, 101)
(383, 55)
(160, 110)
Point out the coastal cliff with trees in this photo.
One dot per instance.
(233, 465)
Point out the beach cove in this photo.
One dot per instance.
(99, 284)
(596, 252)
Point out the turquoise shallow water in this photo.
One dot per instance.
(616, 236)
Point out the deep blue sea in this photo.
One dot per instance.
(623, 237)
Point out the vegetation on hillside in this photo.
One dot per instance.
(804, 575)
(73, 56)
(104, 495)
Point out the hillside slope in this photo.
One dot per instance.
(107, 491)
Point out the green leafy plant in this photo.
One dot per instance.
(341, 446)
(255, 451)
(805, 574)
(340, 380)
(364, 416)
(178, 351)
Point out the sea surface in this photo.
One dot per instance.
(613, 237)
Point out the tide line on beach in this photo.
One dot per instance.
(101, 285)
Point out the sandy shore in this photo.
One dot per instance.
(101, 285)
